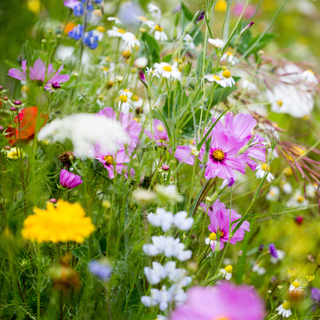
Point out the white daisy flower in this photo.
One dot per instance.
(145, 21)
(273, 194)
(250, 86)
(130, 40)
(227, 80)
(152, 73)
(116, 32)
(106, 68)
(136, 101)
(284, 310)
(218, 43)
(311, 190)
(296, 286)
(167, 70)
(124, 101)
(286, 187)
(213, 78)
(159, 33)
(154, 10)
(229, 57)
(126, 92)
(297, 200)
(189, 42)
(258, 269)
(115, 19)
(211, 239)
(261, 170)
(309, 76)
(227, 272)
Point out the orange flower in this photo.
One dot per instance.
(28, 121)
(69, 27)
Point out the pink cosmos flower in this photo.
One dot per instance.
(220, 222)
(160, 134)
(40, 73)
(132, 127)
(114, 162)
(186, 154)
(225, 301)
(69, 180)
(71, 3)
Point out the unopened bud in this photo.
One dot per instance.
(165, 167)
(53, 200)
(1, 128)
(17, 102)
(13, 109)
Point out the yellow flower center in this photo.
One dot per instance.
(107, 59)
(121, 31)
(217, 78)
(286, 305)
(135, 98)
(218, 155)
(136, 119)
(192, 141)
(229, 53)
(265, 167)
(228, 268)
(158, 28)
(160, 128)
(126, 53)
(167, 68)
(213, 236)
(221, 234)
(279, 102)
(288, 172)
(296, 284)
(310, 71)
(25, 89)
(226, 74)
(105, 69)
(101, 29)
(142, 18)
(108, 159)
(300, 200)
(221, 6)
(123, 98)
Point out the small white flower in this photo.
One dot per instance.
(116, 32)
(161, 297)
(296, 286)
(94, 17)
(258, 269)
(154, 10)
(152, 73)
(136, 101)
(273, 194)
(161, 218)
(159, 34)
(287, 188)
(145, 21)
(226, 272)
(229, 57)
(189, 42)
(284, 309)
(261, 171)
(125, 92)
(246, 84)
(156, 274)
(168, 193)
(130, 40)
(218, 43)
(281, 254)
(144, 196)
(309, 76)
(214, 78)
(297, 200)
(167, 70)
(141, 62)
(311, 190)
(115, 19)
(181, 221)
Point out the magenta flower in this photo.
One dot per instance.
(249, 12)
(40, 73)
(114, 162)
(71, 3)
(186, 154)
(160, 134)
(220, 222)
(225, 301)
(132, 127)
(69, 180)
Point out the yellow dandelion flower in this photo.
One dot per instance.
(65, 222)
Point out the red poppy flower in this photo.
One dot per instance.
(28, 121)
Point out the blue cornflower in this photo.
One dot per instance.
(91, 40)
(76, 33)
(101, 269)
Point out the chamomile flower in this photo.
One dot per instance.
(126, 92)
(309, 76)
(154, 10)
(250, 86)
(214, 78)
(115, 19)
(261, 171)
(218, 43)
(211, 239)
(311, 190)
(227, 272)
(258, 269)
(130, 40)
(296, 287)
(159, 33)
(124, 101)
(167, 70)
(297, 200)
(152, 73)
(116, 32)
(136, 101)
(227, 80)
(189, 42)
(229, 57)
(286, 187)
(273, 194)
(284, 309)
(145, 21)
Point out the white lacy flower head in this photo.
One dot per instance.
(230, 58)
(250, 86)
(309, 76)
(281, 254)
(273, 194)
(261, 171)
(296, 286)
(284, 309)
(168, 193)
(141, 62)
(85, 131)
(218, 43)
(161, 218)
(189, 42)
(167, 71)
(162, 297)
(258, 269)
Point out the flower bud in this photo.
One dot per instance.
(165, 167)
(53, 200)
(5, 98)
(17, 102)
(13, 109)
(1, 128)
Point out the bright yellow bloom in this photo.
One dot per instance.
(65, 222)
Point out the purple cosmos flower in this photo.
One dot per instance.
(315, 294)
(132, 127)
(40, 73)
(273, 251)
(69, 180)
(225, 301)
(101, 269)
(71, 3)
(114, 162)
(220, 221)
(160, 134)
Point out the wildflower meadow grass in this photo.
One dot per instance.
(159, 161)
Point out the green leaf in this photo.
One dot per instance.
(194, 205)
(167, 58)
(187, 13)
(199, 66)
(152, 47)
(256, 44)
(209, 67)
(81, 253)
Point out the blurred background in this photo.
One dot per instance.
(297, 27)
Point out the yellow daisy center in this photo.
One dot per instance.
(126, 53)
(228, 268)
(300, 200)
(229, 53)
(160, 128)
(142, 18)
(105, 69)
(121, 31)
(213, 236)
(167, 68)
(310, 71)
(265, 167)
(279, 102)
(135, 98)
(286, 305)
(101, 29)
(123, 98)
(218, 154)
(296, 284)
(108, 159)
(158, 28)
(226, 74)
